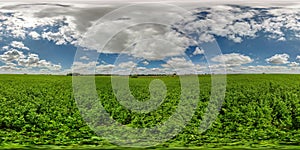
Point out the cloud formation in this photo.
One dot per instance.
(19, 45)
(233, 59)
(65, 24)
(278, 59)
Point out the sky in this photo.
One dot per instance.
(149, 38)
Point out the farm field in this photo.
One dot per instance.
(260, 111)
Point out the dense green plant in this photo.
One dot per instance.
(258, 109)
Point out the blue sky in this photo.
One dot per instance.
(252, 39)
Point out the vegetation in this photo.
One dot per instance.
(259, 111)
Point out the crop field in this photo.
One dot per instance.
(259, 111)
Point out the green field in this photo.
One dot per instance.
(260, 111)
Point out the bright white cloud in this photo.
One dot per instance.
(145, 63)
(84, 58)
(180, 65)
(4, 48)
(19, 45)
(233, 59)
(84, 68)
(278, 59)
(33, 60)
(16, 59)
(198, 51)
(151, 42)
(11, 55)
(294, 64)
(34, 35)
(126, 65)
(104, 69)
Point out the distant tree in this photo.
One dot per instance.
(73, 74)
(134, 76)
(174, 74)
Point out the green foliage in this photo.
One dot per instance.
(258, 109)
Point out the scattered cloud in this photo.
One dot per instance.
(18, 45)
(233, 59)
(294, 64)
(5, 48)
(11, 55)
(278, 59)
(126, 65)
(16, 59)
(151, 42)
(145, 63)
(180, 65)
(84, 58)
(34, 35)
(66, 25)
(198, 51)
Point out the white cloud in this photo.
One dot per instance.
(8, 68)
(16, 59)
(125, 65)
(34, 35)
(298, 57)
(236, 24)
(23, 21)
(178, 62)
(233, 59)
(19, 45)
(198, 51)
(151, 42)
(84, 68)
(84, 58)
(278, 59)
(11, 55)
(65, 34)
(4, 48)
(104, 69)
(33, 60)
(145, 63)
(180, 65)
(294, 64)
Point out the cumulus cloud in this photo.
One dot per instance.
(84, 68)
(19, 45)
(237, 23)
(34, 35)
(22, 22)
(33, 60)
(178, 62)
(233, 59)
(231, 22)
(180, 65)
(125, 65)
(11, 55)
(145, 63)
(104, 69)
(4, 48)
(151, 42)
(16, 59)
(84, 58)
(198, 51)
(67, 23)
(278, 59)
(294, 64)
